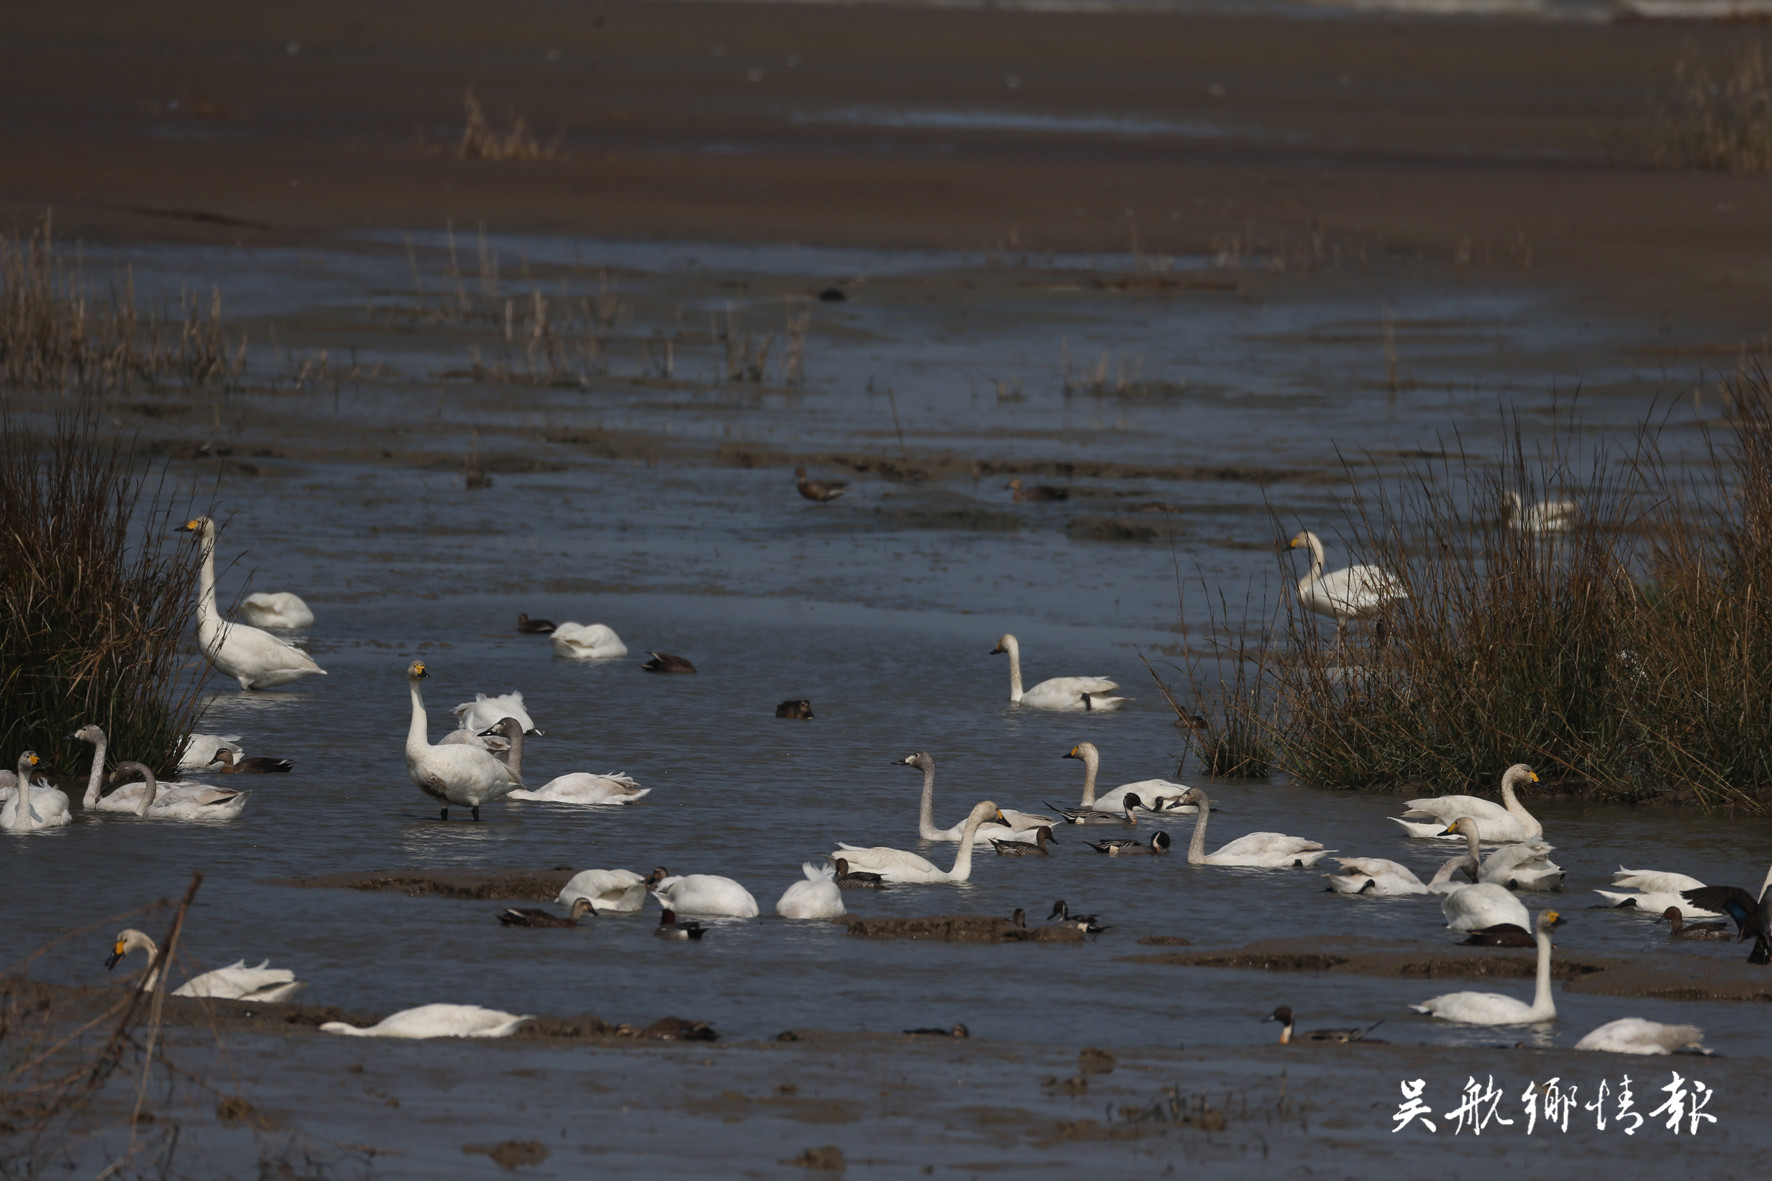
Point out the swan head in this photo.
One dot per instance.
(416, 671)
(985, 810)
(26, 761)
(1083, 750)
(199, 525)
(90, 733)
(1303, 539)
(129, 939)
(1518, 774)
(1006, 643)
(1464, 826)
(1193, 795)
(922, 760)
(1549, 921)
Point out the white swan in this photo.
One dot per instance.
(276, 609)
(235, 982)
(1655, 892)
(1548, 516)
(1442, 882)
(706, 894)
(818, 897)
(1259, 850)
(150, 797)
(1061, 693)
(898, 865)
(484, 713)
(1493, 1008)
(1375, 876)
(1634, 1035)
(436, 1021)
(578, 787)
(257, 659)
(30, 806)
(609, 891)
(1157, 795)
(1507, 821)
(1525, 865)
(1358, 592)
(1007, 830)
(199, 750)
(1471, 908)
(587, 641)
(458, 775)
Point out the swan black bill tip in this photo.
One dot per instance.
(111, 960)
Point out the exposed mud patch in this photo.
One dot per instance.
(1135, 529)
(532, 885)
(957, 928)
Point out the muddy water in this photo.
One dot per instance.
(881, 609)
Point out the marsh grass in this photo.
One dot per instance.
(1625, 658)
(481, 141)
(95, 602)
(1716, 115)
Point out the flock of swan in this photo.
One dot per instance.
(480, 763)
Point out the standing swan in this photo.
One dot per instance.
(1493, 1008)
(898, 865)
(1260, 850)
(818, 897)
(1060, 693)
(458, 775)
(1507, 821)
(31, 807)
(1358, 592)
(257, 659)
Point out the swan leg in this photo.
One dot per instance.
(476, 811)
(446, 813)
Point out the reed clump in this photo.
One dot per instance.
(1716, 115)
(481, 141)
(94, 603)
(1624, 656)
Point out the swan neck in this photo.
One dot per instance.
(150, 977)
(515, 759)
(150, 787)
(1091, 762)
(1542, 1004)
(1316, 570)
(1196, 848)
(1473, 845)
(926, 810)
(95, 780)
(417, 735)
(963, 856)
(1014, 670)
(25, 819)
(206, 580)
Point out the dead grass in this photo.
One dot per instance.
(1717, 114)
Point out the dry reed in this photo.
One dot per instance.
(1716, 115)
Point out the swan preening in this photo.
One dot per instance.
(818, 897)
(1019, 827)
(452, 775)
(898, 865)
(1547, 516)
(1079, 694)
(276, 609)
(256, 659)
(485, 713)
(1155, 795)
(1525, 865)
(1375, 876)
(1260, 850)
(1493, 1008)
(1634, 1035)
(428, 1021)
(1655, 891)
(1507, 821)
(31, 806)
(236, 982)
(706, 894)
(587, 641)
(1473, 908)
(1358, 592)
(610, 891)
(577, 787)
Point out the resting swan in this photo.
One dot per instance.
(1547, 516)
(1472, 908)
(706, 894)
(1061, 693)
(200, 750)
(1260, 850)
(485, 713)
(276, 609)
(1156, 794)
(1358, 592)
(1657, 891)
(31, 807)
(579, 787)
(154, 800)
(587, 641)
(1021, 827)
(435, 1021)
(898, 865)
(1525, 865)
(818, 897)
(1507, 821)
(609, 891)
(1493, 1008)
(1375, 876)
(236, 982)
(1634, 1035)
(257, 659)
(458, 775)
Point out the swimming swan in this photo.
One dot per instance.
(1547, 516)
(1358, 592)
(578, 787)
(1493, 1008)
(1061, 693)
(1471, 908)
(1008, 830)
(1507, 821)
(1377, 877)
(1634, 1035)
(276, 609)
(1525, 865)
(257, 659)
(31, 807)
(1155, 794)
(1656, 891)
(235, 982)
(458, 775)
(706, 894)
(1261, 850)
(436, 1021)
(818, 897)
(174, 801)
(898, 865)
(609, 891)
(587, 641)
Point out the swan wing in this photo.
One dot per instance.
(1483, 905)
(597, 883)
(1654, 881)
(1476, 1008)
(581, 787)
(1378, 867)
(1025, 820)
(1269, 849)
(883, 860)
(1450, 808)
(1073, 693)
(237, 982)
(1655, 902)
(707, 894)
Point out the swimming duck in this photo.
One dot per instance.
(664, 662)
(532, 916)
(534, 627)
(226, 762)
(819, 491)
(671, 927)
(1125, 846)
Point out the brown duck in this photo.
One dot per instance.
(821, 491)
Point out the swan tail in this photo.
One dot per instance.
(818, 871)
